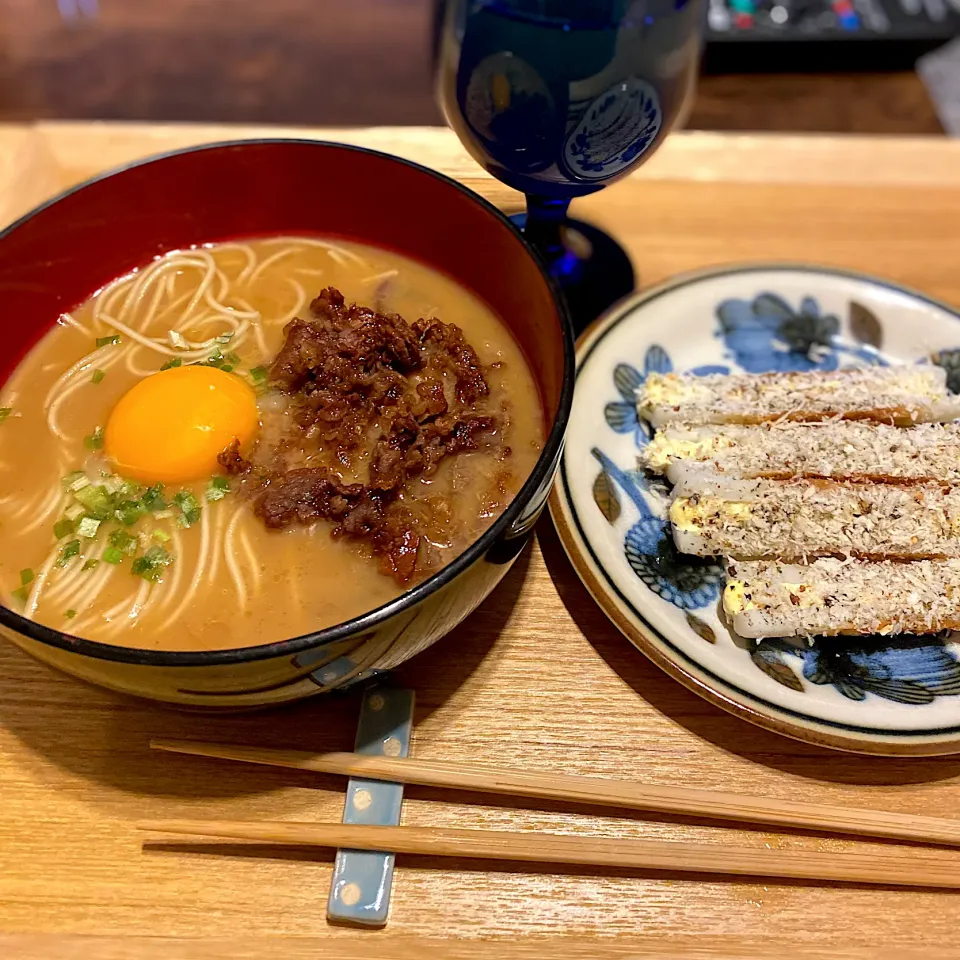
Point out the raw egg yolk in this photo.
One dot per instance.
(171, 426)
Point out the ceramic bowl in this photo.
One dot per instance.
(880, 695)
(55, 257)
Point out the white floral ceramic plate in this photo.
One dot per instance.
(871, 695)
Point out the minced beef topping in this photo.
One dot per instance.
(373, 398)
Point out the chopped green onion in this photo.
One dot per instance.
(177, 340)
(70, 614)
(152, 498)
(98, 376)
(218, 489)
(128, 488)
(22, 593)
(75, 481)
(189, 507)
(106, 341)
(130, 511)
(74, 512)
(259, 374)
(26, 575)
(88, 527)
(5, 412)
(63, 528)
(69, 551)
(124, 542)
(97, 501)
(90, 564)
(112, 555)
(161, 535)
(111, 483)
(171, 363)
(151, 565)
(163, 515)
(224, 338)
(95, 440)
(226, 362)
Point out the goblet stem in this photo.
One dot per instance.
(544, 230)
(590, 268)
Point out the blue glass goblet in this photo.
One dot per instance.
(558, 99)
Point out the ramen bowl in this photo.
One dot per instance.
(60, 254)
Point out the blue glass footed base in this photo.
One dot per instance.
(592, 270)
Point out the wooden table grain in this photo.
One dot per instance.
(536, 678)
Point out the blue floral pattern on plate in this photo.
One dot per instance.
(767, 335)
(648, 545)
(909, 670)
(763, 332)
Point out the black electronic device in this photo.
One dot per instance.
(825, 35)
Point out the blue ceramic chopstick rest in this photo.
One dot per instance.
(362, 879)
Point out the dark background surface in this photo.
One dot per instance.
(340, 62)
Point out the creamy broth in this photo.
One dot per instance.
(230, 581)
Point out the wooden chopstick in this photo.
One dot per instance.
(715, 805)
(865, 868)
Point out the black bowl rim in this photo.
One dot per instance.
(366, 621)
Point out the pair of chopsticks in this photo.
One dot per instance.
(900, 869)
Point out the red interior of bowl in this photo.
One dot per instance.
(54, 259)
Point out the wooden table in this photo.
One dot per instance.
(537, 678)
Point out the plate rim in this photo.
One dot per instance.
(643, 635)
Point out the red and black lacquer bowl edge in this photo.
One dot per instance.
(488, 543)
